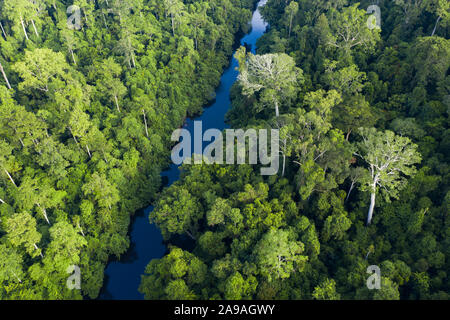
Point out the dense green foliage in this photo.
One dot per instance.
(85, 123)
(363, 118)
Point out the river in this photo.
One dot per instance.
(122, 278)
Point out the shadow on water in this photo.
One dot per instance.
(122, 277)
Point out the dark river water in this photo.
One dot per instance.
(122, 278)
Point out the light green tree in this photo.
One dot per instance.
(19, 11)
(274, 75)
(389, 158)
(38, 192)
(178, 290)
(40, 68)
(109, 82)
(175, 9)
(104, 192)
(21, 231)
(326, 291)
(198, 18)
(70, 42)
(65, 247)
(278, 254)
(10, 264)
(349, 30)
(335, 226)
(238, 288)
(173, 276)
(177, 212)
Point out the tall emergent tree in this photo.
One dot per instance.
(441, 8)
(4, 76)
(390, 158)
(290, 12)
(274, 75)
(19, 11)
(174, 8)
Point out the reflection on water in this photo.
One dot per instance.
(123, 277)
